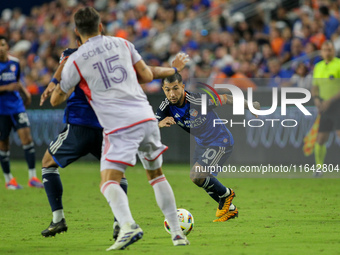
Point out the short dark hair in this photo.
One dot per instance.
(324, 10)
(172, 78)
(87, 20)
(2, 37)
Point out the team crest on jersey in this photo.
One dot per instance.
(13, 68)
(225, 140)
(193, 112)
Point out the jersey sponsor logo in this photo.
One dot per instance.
(9, 76)
(193, 112)
(13, 68)
(177, 115)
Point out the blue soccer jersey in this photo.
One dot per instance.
(78, 111)
(10, 101)
(189, 117)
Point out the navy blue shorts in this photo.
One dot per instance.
(212, 155)
(75, 142)
(15, 121)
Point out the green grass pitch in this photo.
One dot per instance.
(276, 216)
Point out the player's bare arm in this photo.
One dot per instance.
(26, 95)
(52, 85)
(166, 122)
(179, 63)
(10, 87)
(58, 96)
(143, 72)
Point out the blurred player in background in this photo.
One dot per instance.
(13, 116)
(109, 70)
(214, 145)
(326, 96)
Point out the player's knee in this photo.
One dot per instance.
(48, 160)
(196, 180)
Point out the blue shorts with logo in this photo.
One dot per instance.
(15, 121)
(75, 142)
(212, 156)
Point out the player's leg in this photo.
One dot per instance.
(119, 151)
(320, 150)
(96, 148)
(22, 127)
(204, 177)
(54, 191)
(150, 153)
(5, 129)
(71, 144)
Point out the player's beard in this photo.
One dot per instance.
(178, 102)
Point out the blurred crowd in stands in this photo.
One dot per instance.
(221, 39)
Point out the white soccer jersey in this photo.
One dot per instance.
(104, 68)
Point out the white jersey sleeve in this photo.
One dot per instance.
(69, 76)
(135, 57)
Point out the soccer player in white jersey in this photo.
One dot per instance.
(109, 70)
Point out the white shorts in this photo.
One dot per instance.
(119, 149)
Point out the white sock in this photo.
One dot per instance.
(118, 202)
(8, 177)
(232, 207)
(58, 215)
(166, 201)
(226, 194)
(32, 173)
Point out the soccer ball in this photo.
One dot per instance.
(186, 221)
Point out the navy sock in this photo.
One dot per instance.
(4, 160)
(53, 187)
(211, 184)
(124, 185)
(29, 155)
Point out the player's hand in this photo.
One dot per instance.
(180, 61)
(167, 122)
(47, 93)
(257, 106)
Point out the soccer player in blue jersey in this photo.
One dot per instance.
(214, 145)
(13, 116)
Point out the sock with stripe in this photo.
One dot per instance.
(320, 153)
(124, 185)
(4, 160)
(214, 188)
(166, 201)
(118, 202)
(30, 159)
(54, 191)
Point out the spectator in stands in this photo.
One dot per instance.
(331, 23)
(301, 78)
(278, 76)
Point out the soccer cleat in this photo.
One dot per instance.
(231, 214)
(116, 229)
(55, 228)
(224, 204)
(34, 182)
(128, 234)
(180, 240)
(12, 184)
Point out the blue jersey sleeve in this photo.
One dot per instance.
(163, 110)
